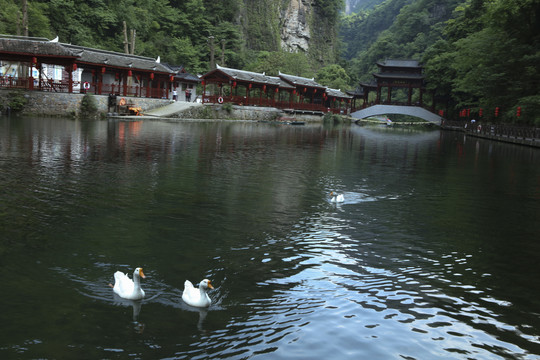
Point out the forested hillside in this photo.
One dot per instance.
(476, 53)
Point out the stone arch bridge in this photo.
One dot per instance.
(415, 111)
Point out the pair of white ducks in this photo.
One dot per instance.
(131, 289)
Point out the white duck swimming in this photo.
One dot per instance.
(334, 197)
(197, 297)
(127, 288)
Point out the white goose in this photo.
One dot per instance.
(197, 297)
(334, 197)
(127, 288)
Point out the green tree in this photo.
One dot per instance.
(333, 76)
(271, 63)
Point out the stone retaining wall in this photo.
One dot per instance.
(236, 112)
(65, 104)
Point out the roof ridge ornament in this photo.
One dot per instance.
(158, 60)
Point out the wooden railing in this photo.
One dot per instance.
(9, 82)
(496, 130)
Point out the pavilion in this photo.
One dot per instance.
(40, 64)
(404, 74)
(294, 93)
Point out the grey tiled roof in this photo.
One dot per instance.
(34, 46)
(116, 59)
(399, 63)
(396, 75)
(300, 81)
(187, 77)
(251, 77)
(43, 47)
(337, 93)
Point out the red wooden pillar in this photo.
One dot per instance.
(203, 91)
(124, 84)
(40, 71)
(72, 68)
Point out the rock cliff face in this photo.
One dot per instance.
(295, 29)
(298, 26)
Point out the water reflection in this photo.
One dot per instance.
(433, 253)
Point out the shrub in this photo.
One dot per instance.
(17, 101)
(227, 107)
(88, 106)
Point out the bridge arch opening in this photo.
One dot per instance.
(415, 111)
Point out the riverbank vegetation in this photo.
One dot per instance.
(478, 55)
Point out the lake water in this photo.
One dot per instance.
(435, 253)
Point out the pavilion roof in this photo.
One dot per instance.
(116, 59)
(249, 77)
(33, 46)
(356, 92)
(372, 85)
(301, 81)
(337, 93)
(398, 75)
(182, 74)
(187, 77)
(399, 63)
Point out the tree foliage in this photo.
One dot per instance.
(273, 62)
(489, 58)
(476, 53)
(334, 76)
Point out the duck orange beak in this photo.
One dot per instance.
(141, 274)
(210, 285)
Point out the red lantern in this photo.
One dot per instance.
(151, 76)
(277, 89)
(130, 73)
(116, 76)
(496, 111)
(203, 83)
(519, 111)
(294, 92)
(74, 67)
(171, 78)
(480, 112)
(234, 84)
(264, 88)
(305, 89)
(441, 112)
(250, 85)
(103, 70)
(34, 60)
(315, 91)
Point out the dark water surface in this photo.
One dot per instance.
(435, 253)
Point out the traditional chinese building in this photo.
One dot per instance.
(245, 88)
(399, 74)
(226, 85)
(40, 64)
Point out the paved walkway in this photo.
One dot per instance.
(171, 109)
